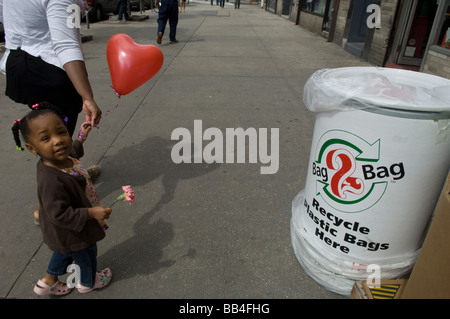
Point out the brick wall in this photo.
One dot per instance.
(341, 21)
(437, 62)
(311, 22)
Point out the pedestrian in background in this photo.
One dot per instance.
(183, 5)
(123, 11)
(237, 4)
(168, 10)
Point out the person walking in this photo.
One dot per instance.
(168, 10)
(123, 10)
(183, 6)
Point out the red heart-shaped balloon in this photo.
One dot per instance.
(131, 64)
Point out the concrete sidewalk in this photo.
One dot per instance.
(196, 230)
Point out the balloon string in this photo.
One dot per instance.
(117, 105)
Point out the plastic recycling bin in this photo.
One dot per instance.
(379, 157)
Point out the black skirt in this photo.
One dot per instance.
(30, 80)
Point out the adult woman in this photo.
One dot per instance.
(45, 61)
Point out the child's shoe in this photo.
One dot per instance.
(58, 289)
(101, 280)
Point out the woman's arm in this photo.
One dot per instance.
(67, 45)
(76, 70)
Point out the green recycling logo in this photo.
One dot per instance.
(346, 174)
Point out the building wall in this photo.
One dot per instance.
(376, 48)
(380, 40)
(437, 62)
(293, 5)
(377, 40)
(295, 8)
(279, 7)
(311, 22)
(341, 22)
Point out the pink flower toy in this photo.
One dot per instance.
(127, 196)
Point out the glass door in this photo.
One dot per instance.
(418, 27)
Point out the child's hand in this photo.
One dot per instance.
(83, 133)
(99, 212)
(85, 129)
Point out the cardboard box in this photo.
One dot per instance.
(388, 289)
(430, 277)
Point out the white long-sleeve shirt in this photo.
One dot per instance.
(42, 28)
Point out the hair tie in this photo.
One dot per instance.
(35, 106)
(19, 148)
(17, 121)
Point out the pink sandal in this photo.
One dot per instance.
(58, 289)
(101, 280)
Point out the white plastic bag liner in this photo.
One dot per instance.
(369, 87)
(379, 157)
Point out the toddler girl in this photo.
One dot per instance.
(69, 221)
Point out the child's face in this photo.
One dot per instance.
(50, 139)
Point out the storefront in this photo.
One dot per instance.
(316, 15)
(444, 32)
(271, 5)
(412, 34)
(357, 27)
(421, 38)
(437, 59)
(415, 23)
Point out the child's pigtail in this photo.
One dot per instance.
(15, 129)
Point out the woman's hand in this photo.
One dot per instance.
(92, 112)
